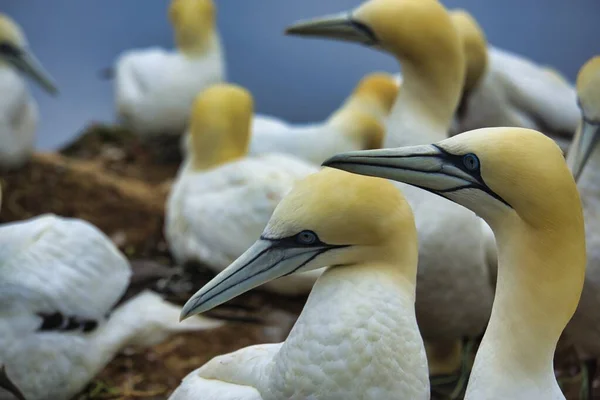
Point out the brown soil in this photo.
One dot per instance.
(113, 180)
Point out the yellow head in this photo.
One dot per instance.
(496, 172)
(588, 133)
(14, 52)
(376, 93)
(194, 24)
(362, 115)
(474, 45)
(419, 33)
(330, 218)
(220, 125)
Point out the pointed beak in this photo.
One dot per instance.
(583, 146)
(423, 166)
(342, 27)
(29, 65)
(265, 261)
(428, 167)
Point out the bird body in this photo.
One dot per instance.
(505, 89)
(357, 336)
(18, 119)
(584, 159)
(356, 125)
(517, 180)
(59, 282)
(155, 88)
(18, 110)
(222, 198)
(454, 298)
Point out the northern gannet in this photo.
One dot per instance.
(18, 110)
(59, 281)
(505, 89)
(584, 329)
(155, 88)
(518, 181)
(357, 336)
(357, 125)
(454, 296)
(222, 199)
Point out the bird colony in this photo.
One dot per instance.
(444, 223)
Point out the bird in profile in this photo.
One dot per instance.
(155, 88)
(357, 336)
(454, 295)
(222, 198)
(359, 124)
(18, 110)
(518, 181)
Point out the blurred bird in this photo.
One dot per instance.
(356, 125)
(454, 296)
(155, 88)
(222, 198)
(357, 337)
(518, 181)
(505, 89)
(60, 279)
(584, 161)
(18, 110)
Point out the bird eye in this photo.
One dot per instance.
(306, 237)
(471, 162)
(9, 50)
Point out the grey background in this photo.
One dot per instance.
(297, 79)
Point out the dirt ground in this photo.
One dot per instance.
(113, 180)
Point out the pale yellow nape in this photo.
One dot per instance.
(10, 32)
(370, 214)
(474, 45)
(420, 33)
(194, 24)
(588, 89)
(377, 87)
(220, 125)
(523, 167)
(361, 116)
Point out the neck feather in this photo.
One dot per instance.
(357, 308)
(425, 107)
(540, 278)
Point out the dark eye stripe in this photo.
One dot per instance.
(9, 50)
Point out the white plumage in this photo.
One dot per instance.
(356, 125)
(155, 88)
(222, 198)
(59, 280)
(517, 92)
(357, 336)
(213, 216)
(18, 110)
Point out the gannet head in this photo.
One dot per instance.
(419, 33)
(499, 173)
(588, 134)
(220, 125)
(329, 218)
(194, 24)
(474, 45)
(376, 93)
(14, 50)
(362, 116)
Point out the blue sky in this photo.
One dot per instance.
(297, 79)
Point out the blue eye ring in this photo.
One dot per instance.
(306, 238)
(471, 162)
